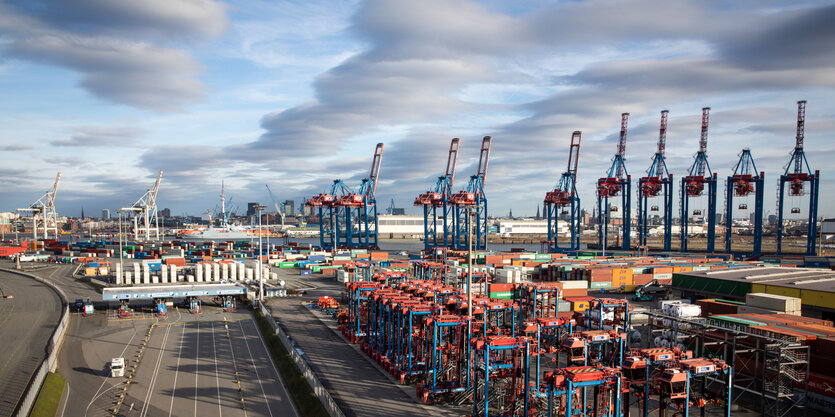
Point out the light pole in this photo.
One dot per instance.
(470, 215)
(260, 252)
(121, 262)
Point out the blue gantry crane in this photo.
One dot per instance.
(797, 174)
(473, 199)
(438, 198)
(744, 181)
(348, 218)
(693, 186)
(658, 181)
(617, 182)
(564, 200)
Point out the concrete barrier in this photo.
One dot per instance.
(324, 396)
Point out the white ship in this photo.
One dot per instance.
(225, 231)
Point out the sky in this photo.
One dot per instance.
(295, 94)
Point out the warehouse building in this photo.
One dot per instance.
(814, 286)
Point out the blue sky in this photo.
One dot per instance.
(296, 93)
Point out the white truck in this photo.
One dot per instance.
(117, 367)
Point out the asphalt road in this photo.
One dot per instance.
(200, 368)
(26, 325)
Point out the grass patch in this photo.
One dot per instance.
(50, 396)
(305, 399)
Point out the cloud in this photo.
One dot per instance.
(101, 136)
(100, 41)
(159, 17)
(14, 148)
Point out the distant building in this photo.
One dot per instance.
(528, 227)
(250, 209)
(105, 214)
(289, 208)
(166, 212)
(400, 224)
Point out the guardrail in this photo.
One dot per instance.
(324, 396)
(50, 362)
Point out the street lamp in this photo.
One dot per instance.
(470, 215)
(260, 252)
(121, 262)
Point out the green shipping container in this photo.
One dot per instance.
(598, 285)
(506, 295)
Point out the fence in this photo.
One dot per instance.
(51, 360)
(324, 396)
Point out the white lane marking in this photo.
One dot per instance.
(234, 361)
(254, 366)
(147, 405)
(66, 401)
(278, 376)
(217, 377)
(196, 366)
(177, 369)
(121, 355)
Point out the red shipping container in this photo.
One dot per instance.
(575, 292)
(641, 279)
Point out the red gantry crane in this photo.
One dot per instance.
(473, 198)
(438, 197)
(617, 182)
(348, 218)
(744, 181)
(658, 181)
(796, 175)
(693, 185)
(564, 200)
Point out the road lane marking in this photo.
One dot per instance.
(234, 363)
(177, 369)
(217, 377)
(66, 401)
(196, 366)
(96, 395)
(146, 406)
(254, 366)
(278, 375)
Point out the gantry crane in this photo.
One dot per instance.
(617, 182)
(564, 200)
(797, 174)
(348, 218)
(693, 185)
(658, 180)
(439, 197)
(44, 216)
(744, 181)
(275, 203)
(145, 220)
(473, 199)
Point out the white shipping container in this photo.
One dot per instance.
(575, 285)
(773, 302)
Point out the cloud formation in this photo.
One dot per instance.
(117, 47)
(101, 136)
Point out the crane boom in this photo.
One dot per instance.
(703, 141)
(574, 153)
(801, 128)
(483, 158)
(375, 168)
(54, 190)
(153, 194)
(452, 160)
(662, 133)
(624, 119)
